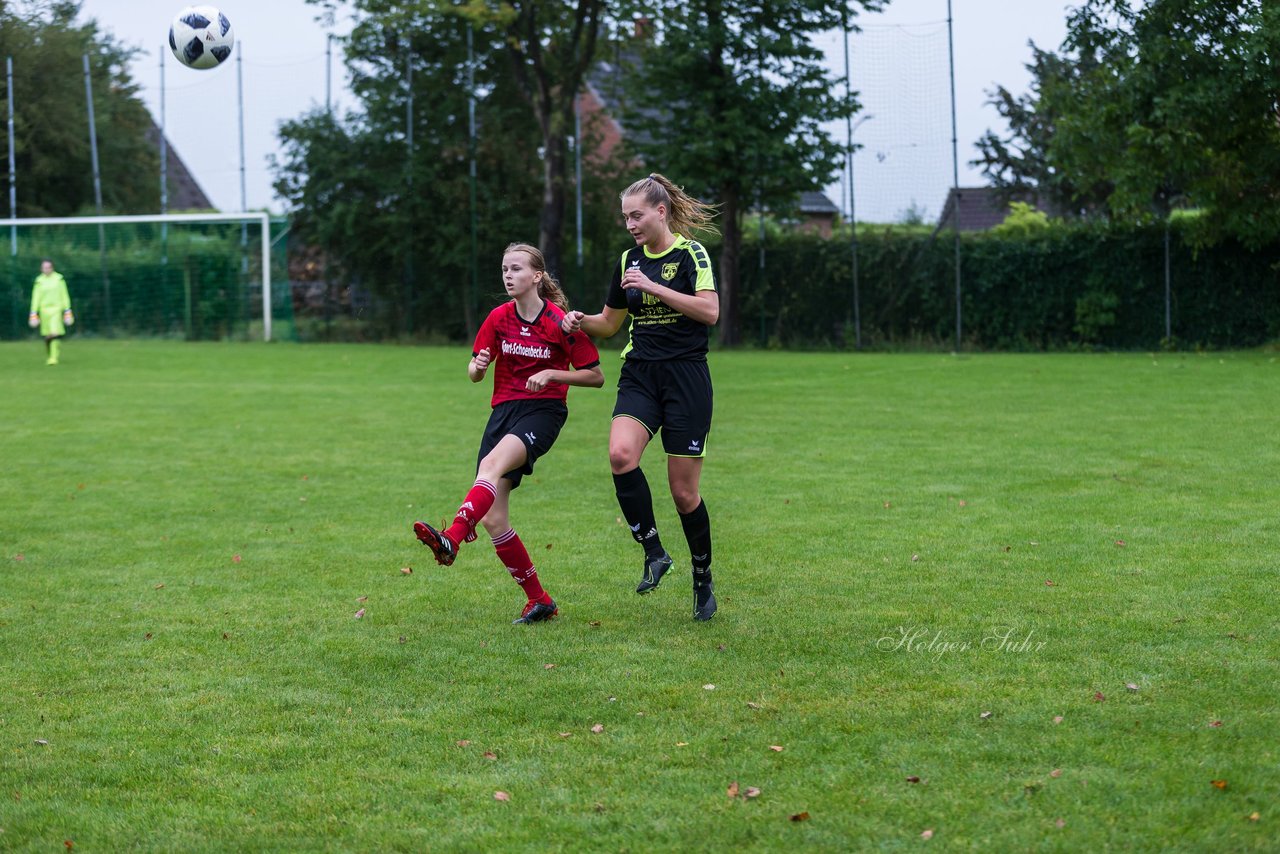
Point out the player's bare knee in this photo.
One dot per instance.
(622, 459)
(686, 498)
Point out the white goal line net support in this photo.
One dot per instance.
(262, 219)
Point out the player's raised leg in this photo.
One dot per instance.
(510, 453)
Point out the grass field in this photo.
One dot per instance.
(1004, 602)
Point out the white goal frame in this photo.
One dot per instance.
(263, 219)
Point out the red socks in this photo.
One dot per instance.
(515, 558)
(474, 507)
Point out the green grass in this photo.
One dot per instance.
(186, 532)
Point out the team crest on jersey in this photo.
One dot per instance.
(669, 270)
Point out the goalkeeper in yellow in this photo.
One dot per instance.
(50, 309)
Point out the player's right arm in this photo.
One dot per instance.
(610, 318)
(482, 350)
(478, 365)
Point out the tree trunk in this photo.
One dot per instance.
(730, 250)
(551, 219)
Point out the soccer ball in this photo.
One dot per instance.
(201, 37)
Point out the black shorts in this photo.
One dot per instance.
(536, 422)
(674, 397)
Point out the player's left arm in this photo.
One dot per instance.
(702, 305)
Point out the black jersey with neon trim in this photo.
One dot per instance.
(658, 331)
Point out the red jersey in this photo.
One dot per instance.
(519, 348)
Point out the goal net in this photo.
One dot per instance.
(183, 276)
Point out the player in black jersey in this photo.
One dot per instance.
(665, 284)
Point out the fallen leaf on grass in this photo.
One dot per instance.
(913, 779)
(1056, 772)
(1057, 719)
(69, 844)
(682, 744)
(1048, 582)
(926, 834)
(159, 586)
(800, 816)
(19, 557)
(360, 614)
(752, 792)
(547, 666)
(708, 687)
(1253, 816)
(1006, 548)
(733, 789)
(403, 639)
(593, 623)
(42, 742)
(753, 705)
(598, 728)
(915, 558)
(1120, 543)
(464, 742)
(1219, 784)
(1215, 723)
(501, 796)
(490, 755)
(1098, 697)
(548, 546)
(984, 715)
(776, 748)
(235, 558)
(1060, 823)
(1131, 686)
(406, 570)
(964, 503)
(887, 505)
(147, 636)
(362, 598)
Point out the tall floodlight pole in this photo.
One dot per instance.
(955, 170)
(577, 182)
(13, 177)
(164, 171)
(470, 311)
(244, 228)
(408, 123)
(328, 73)
(853, 217)
(97, 192)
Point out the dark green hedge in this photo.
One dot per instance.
(1071, 286)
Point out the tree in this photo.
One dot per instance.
(395, 216)
(51, 126)
(1018, 162)
(729, 99)
(1153, 106)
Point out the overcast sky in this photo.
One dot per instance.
(899, 63)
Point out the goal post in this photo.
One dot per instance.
(138, 247)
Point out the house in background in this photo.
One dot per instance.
(600, 105)
(983, 208)
(185, 193)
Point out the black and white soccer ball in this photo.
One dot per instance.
(201, 37)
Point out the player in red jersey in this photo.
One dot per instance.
(532, 356)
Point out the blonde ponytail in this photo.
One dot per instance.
(548, 288)
(685, 214)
